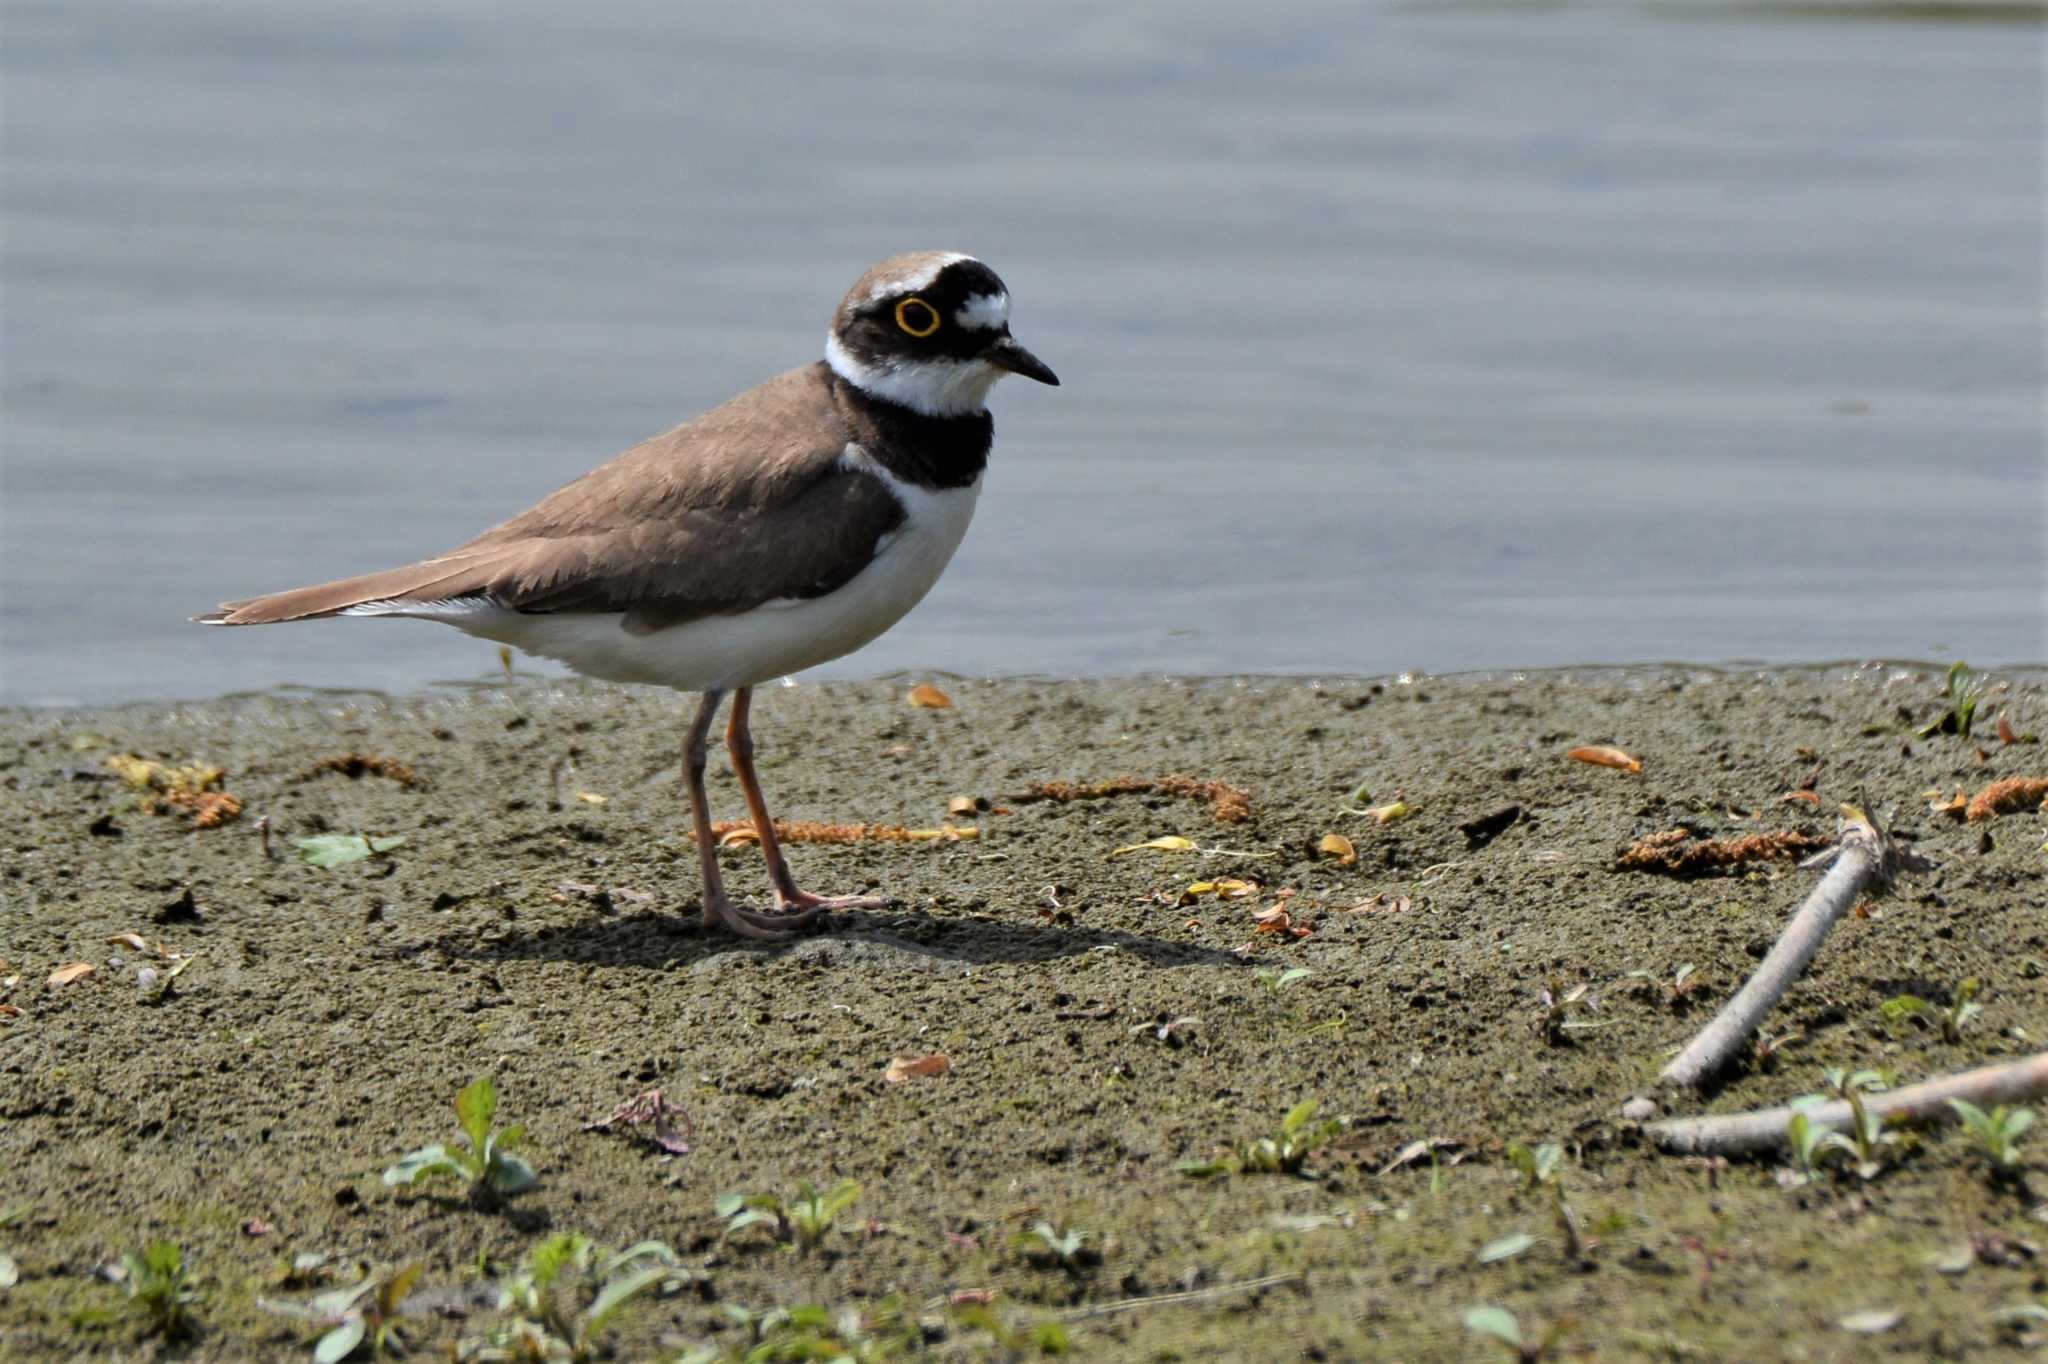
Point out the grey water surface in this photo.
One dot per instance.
(1423, 336)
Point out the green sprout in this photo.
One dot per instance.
(1808, 1141)
(1961, 1009)
(1964, 690)
(1556, 1008)
(1768, 1048)
(157, 1283)
(1543, 1168)
(363, 1313)
(804, 1219)
(484, 1164)
(1048, 1244)
(1540, 1166)
(565, 1295)
(1283, 1153)
(1997, 1133)
(1276, 981)
(1867, 1138)
(880, 1332)
(1499, 1324)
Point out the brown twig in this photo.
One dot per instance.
(1755, 1133)
(1227, 804)
(1864, 858)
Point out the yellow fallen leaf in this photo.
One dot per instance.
(1794, 797)
(1605, 755)
(970, 806)
(133, 940)
(1394, 809)
(1339, 847)
(736, 836)
(77, 970)
(1167, 843)
(591, 798)
(926, 695)
(907, 1067)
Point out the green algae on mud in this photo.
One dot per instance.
(550, 941)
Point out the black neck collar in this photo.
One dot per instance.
(932, 452)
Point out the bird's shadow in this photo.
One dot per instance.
(659, 941)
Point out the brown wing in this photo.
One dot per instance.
(745, 504)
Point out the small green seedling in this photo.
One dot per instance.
(1283, 1153)
(1808, 1141)
(1276, 981)
(1543, 1167)
(1062, 1246)
(1959, 701)
(157, 1283)
(1961, 1009)
(485, 1164)
(1769, 1049)
(1997, 1132)
(874, 1334)
(1557, 1008)
(1540, 1166)
(565, 1296)
(1499, 1324)
(1866, 1139)
(803, 1219)
(366, 1313)
(1047, 1338)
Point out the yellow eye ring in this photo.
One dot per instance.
(930, 318)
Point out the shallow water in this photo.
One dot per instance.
(1392, 338)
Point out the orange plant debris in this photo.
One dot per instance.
(2005, 797)
(1672, 855)
(356, 765)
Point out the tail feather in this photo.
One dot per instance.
(431, 580)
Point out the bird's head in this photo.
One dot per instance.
(929, 330)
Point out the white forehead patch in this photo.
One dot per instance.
(916, 279)
(985, 312)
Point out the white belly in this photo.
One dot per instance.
(770, 641)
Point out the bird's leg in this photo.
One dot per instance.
(799, 906)
(718, 911)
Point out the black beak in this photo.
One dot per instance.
(1007, 354)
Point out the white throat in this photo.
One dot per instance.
(937, 388)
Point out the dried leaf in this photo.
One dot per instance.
(10, 1011)
(905, 1067)
(1872, 1323)
(71, 971)
(930, 697)
(1955, 807)
(734, 837)
(592, 798)
(1605, 755)
(965, 807)
(1165, 843)
(133, 940)
(1338, 847)
(2006, 735)
(1799, 797)
(1394, 809)
(335, 850)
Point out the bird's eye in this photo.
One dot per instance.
(917, 317)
